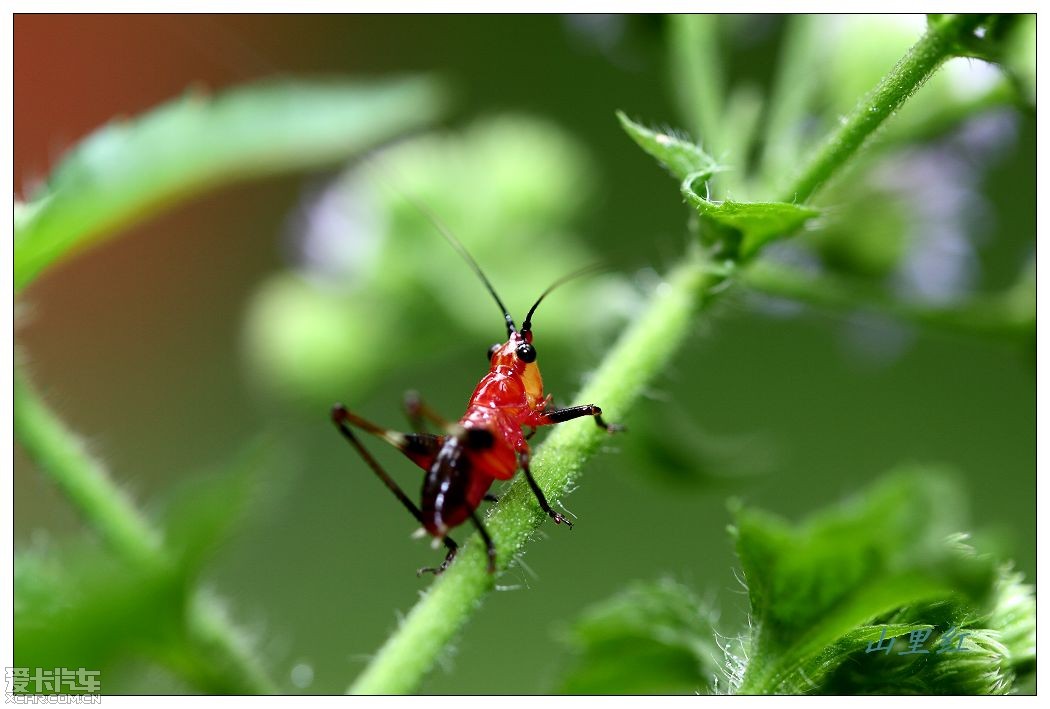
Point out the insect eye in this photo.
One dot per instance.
(526, 352)
(493, 350)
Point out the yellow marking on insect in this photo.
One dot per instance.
(395, 439)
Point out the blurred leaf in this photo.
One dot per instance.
(81, 607)
(670, 448)
(127, 170)
(676, 153)
(653, 638)
(201, 510)
(1019, 57)
(743, 112)
(801, 70)
(1019, 299)
(868, 233)
(697, 72)
(309, 344)
(992, 42)
(812, 584)
(747, 226)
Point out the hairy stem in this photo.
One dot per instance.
(640, 355)
(940, 43)
(59, 454)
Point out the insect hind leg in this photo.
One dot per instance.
(344, 419)
(418, 412)
(449, 556)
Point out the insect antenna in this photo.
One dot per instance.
(460, 249)
(586, 270)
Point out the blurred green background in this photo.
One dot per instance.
(141, 344)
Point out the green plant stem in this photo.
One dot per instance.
(640, 355)
(60, 455)
(223, 655)
(941, 42)
(994, 316)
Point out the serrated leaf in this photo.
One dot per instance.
(820, 669)
(978, 670)
(1013, 618)
(680, 156)
(129, 169)
(653, 638)
(750, 225)
(812, 584)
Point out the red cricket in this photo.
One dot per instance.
(486, 444)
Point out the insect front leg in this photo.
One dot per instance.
(523, 461)
(554, 416)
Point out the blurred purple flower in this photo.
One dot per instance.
(334, 234)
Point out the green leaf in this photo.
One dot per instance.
(130, 169)
(819, 671)
(653, 638)
(745, 227)
(743, 112)
(998, 648)
(681, 157)
(669, 448)
(742, 227)
(976, 671)
(1013, 618)
(813, 584)
(800, 75)
(1019, 57)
